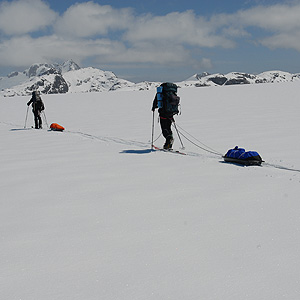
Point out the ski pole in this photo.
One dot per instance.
(182, 146)
(26, 117)
(152, 130)
(45, 118)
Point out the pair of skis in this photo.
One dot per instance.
(168, 150)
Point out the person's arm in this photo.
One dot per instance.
(154, 105)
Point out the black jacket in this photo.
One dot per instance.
(37, 103)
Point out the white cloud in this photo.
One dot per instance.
(90, 19)
(205, 63)
(279, 24)
(283, 40)
(145, 52)
(176, 28)
(88, 30)
(272, 18)
(25, 16)
(25, 50)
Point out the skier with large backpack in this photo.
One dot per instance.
(37, 107)
(167, 102)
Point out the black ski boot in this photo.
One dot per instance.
(169, 143)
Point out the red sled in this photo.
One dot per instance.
(56, 127)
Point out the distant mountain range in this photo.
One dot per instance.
(70, 78)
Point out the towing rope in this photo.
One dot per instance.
(203, 147)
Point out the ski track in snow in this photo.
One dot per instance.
(111, 139)
(144, 145)
(280, 167)
(147, 145)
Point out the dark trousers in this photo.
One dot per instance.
(165, 124)
(37, 119)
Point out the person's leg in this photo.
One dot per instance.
(167, 132)
(40, 120)
(36, 120)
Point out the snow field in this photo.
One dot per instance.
(93, 213)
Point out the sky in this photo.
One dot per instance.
(152, 40)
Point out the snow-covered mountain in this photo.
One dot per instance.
(233, 78)
(48, 78)
(60, 78)
(70, 78)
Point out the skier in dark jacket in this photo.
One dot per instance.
(166, 116)
(37, 108)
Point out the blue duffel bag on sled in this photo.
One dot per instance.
(241, 156)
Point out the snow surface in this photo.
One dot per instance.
(92, 213)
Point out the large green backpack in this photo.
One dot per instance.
(167, 98)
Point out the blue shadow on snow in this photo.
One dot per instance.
(145, 151)
(20, 129)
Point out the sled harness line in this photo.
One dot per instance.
(210, 150)
(205, 147)
(157, 138)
